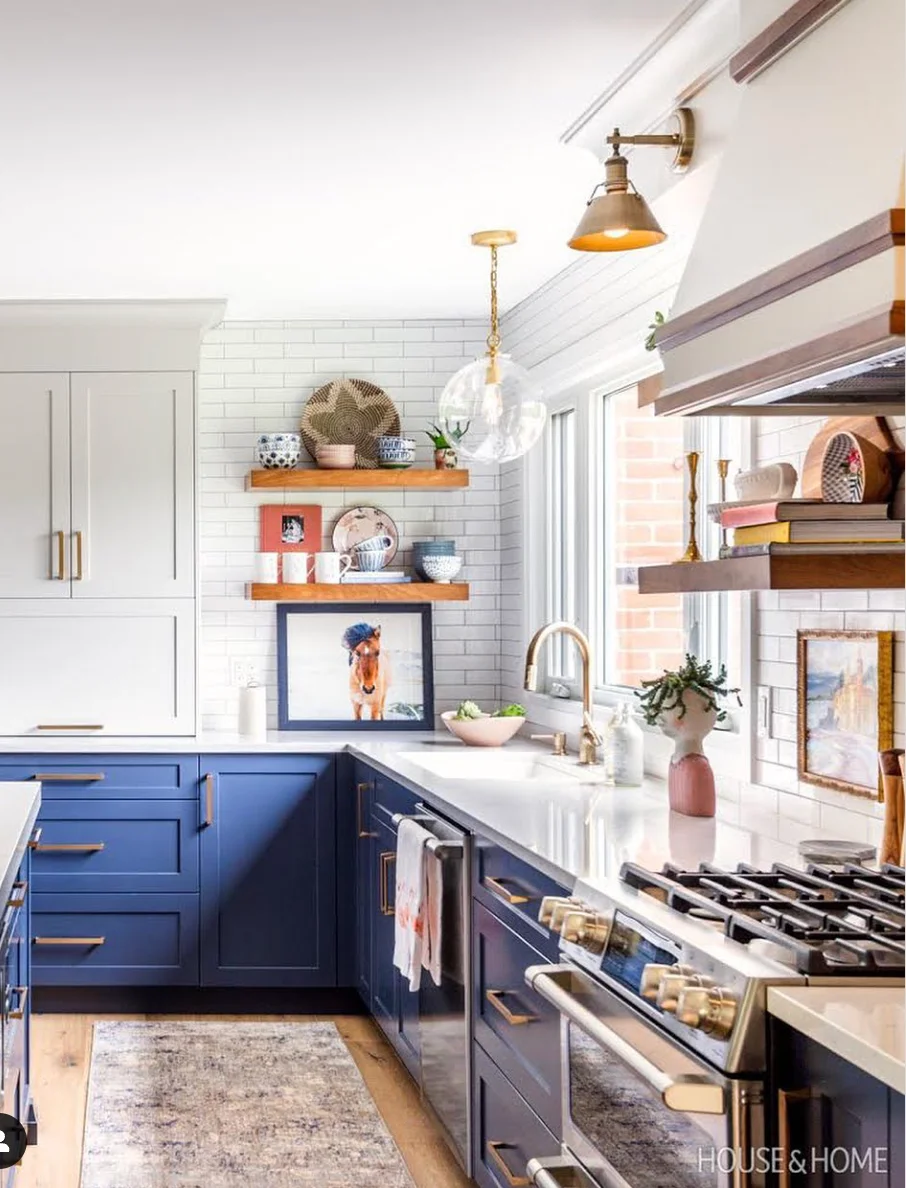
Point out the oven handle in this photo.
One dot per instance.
(685, 1094)
(558, 1173)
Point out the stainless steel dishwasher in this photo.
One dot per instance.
(445, 1011)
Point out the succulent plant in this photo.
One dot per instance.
(665, 692)
(449, 437)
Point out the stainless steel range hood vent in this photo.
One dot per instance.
(793, 296)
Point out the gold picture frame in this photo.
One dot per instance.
(844, 709)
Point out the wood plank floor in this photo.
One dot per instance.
(61, 1059)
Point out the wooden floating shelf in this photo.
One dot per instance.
(315, 479)
(803, 571)
(360, 592)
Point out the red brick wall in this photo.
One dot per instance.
(648, 492)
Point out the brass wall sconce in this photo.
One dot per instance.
(620, 219)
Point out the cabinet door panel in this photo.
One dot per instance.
(507, 1134)
(385, 981)
(34, 486)
(128, 668)
(268, 872)
(364, 778)
(133, 484)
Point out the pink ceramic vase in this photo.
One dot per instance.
(690, 780)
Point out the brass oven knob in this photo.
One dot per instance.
(586, 929)
(674, 981)
(712, 1009)
(650, 980)
(554, 908)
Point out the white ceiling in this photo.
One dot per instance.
(301, 159)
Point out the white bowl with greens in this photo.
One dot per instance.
(478, 729)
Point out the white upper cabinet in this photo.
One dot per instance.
(133, 485)
(34, 486)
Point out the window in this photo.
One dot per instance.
(617, 499)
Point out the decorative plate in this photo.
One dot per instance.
(350, 411)
(360, 523)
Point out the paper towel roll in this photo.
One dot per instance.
(253, 712)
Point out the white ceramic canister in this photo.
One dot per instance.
(627, 749)
(253, 712)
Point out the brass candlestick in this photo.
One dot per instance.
(692, 552)
(723, 467)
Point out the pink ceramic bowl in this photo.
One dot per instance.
(484, 731)
(335, 457)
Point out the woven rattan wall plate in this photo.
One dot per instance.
(349, 411)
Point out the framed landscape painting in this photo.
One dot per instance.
(355, 666)
(845, 701)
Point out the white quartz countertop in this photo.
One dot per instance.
(19, 804)
(864, 1025)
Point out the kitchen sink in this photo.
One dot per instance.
(490, 763)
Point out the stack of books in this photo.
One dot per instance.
(807, 526)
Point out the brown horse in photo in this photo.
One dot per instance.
(369, 671)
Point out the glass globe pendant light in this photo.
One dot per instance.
(493, 401)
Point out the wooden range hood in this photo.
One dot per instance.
(792, 300)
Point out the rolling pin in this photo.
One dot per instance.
(890, 763)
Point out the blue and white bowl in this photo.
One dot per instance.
(441, 567)
(395, 453)
(430, 548)
(279, 451)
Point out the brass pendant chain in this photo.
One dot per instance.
(494, 336)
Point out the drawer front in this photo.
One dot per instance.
(109, 940)
(513, 890)
(116, 846)
(517, 1028)
(72, 777)
(507, 1132)
(390, 797)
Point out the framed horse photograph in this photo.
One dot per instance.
(355, 666)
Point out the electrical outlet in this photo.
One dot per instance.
(763, 711)
(242, 673)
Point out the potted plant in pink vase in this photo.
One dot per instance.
(686, 704)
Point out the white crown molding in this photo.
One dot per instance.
(176, 314)
(680, 63)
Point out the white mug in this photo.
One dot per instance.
(267, 568)
(297, 567)
(331, 567)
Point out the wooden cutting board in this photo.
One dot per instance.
(873, 429)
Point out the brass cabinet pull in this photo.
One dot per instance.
(209, 799)
(784, 1097)
(35, 840)
(68, 847)
(61, 555)
(69, 777)
(80, 726)
(89, 941)
(387, 857)
(78, 547)
(494, 1150)
(360, 790)
(496, 886)
(19, 1013)
(495, 998)
(19, 891)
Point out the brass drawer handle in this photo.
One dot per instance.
(495, 998)
(494, 1150)
(90, 941)
(19, 1013)
(496, 886)
(17, 898)
(35, 840)
(69, 777)
(78, 543)
(360, 790)
(387, 857)
(68, 847)
(784, 1097)
(209, 799)
(61, 556)
(69, 726)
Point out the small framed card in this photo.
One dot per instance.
(290, 529)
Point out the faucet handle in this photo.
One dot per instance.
(558, 738)
(590, 729)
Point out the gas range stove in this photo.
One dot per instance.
(693, 951)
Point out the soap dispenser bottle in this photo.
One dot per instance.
(627, 749)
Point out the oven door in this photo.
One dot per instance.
(639, 1111)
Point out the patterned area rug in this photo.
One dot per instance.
(223, 1105)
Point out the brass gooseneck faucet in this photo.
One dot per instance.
(589, 739)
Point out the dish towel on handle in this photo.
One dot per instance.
(434, 902)
(410, 939)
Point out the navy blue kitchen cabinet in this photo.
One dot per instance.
(846, 1126)
(268, 870)
(107, 776)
